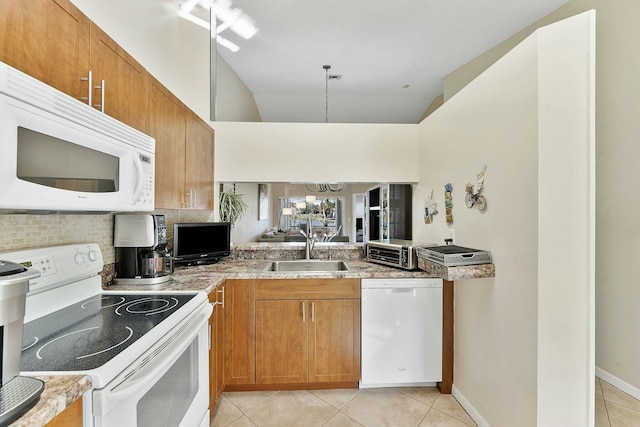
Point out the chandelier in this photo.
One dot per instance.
(322, 188)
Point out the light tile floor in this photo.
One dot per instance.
(414, 407)
(407, 406)
(615, 408)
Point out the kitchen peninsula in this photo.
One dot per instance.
(248, 263)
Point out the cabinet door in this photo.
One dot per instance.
(334, 340)
(48, 40)
(213, 356)
(239, 332)
(166, 123)
(218, 343)
(125, 80)
(216, 348)
(199, 164)
(282, 342)
(70, 417)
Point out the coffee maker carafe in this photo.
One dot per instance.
(141, 249)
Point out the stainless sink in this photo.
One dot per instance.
(307, 265)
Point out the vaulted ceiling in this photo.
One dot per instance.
(392, 56)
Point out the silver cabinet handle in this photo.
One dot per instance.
(102, 89)
(89, 79)
(303, 315)
(313, 312)
(222, 292)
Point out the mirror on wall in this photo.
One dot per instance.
(334, 214)
(323, 215)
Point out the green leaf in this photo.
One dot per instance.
(232, 207)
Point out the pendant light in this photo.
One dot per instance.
(326, 92)
(333, 187)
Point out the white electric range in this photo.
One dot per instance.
(146, 352)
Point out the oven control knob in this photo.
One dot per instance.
(93, 256)
(80, 258)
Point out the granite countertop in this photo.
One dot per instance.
(207, 277)
(59, 392)
(460, 272)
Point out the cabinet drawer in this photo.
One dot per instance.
(307, 288)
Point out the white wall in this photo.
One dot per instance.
(617, 225)
(174, 51)
(519, 358)
(495, 319)
(566, 221)
(618, 228)
(312, 152)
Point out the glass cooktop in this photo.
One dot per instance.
(89, 333)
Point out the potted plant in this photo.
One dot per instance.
(232, 207)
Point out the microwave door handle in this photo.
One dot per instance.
(139, 178)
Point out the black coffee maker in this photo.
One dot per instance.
(140, 241)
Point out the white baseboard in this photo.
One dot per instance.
(473, 413)
(399, 385)
(601, 373)
(618, 383)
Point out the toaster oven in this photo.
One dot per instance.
(394, 252)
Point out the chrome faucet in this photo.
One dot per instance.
(309, 239)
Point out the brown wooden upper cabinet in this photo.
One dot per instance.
(119, 82)
(184, 152)
(48, 40)
(57, 44)
(199, 163)
(166, 123)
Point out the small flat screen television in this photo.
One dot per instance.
(201, 242)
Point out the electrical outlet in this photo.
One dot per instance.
(452, 235)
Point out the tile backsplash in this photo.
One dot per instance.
(23, 231)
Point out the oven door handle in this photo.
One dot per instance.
(154, 363)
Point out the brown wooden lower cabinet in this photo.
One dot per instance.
(216, 350)
(239, 332)
(334, 341)
(307, 340)
(218, 344)
(446, 385)
(70, 417)
(281, 342)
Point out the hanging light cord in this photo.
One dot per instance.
(326, 92)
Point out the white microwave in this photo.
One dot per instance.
(59, 154)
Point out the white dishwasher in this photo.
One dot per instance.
(401, 332)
